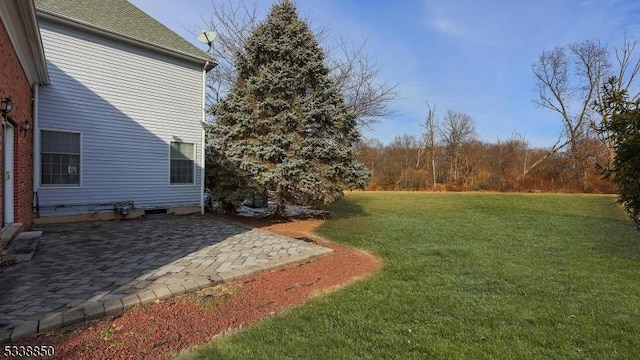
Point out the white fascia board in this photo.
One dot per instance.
(19, 18)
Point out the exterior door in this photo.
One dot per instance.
(8, 174)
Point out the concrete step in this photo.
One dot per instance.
(9, 233)
(21, 248)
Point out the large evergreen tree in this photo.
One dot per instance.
(624, 130)
(284, 126)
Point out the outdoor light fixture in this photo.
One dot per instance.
(6, 106)
(26, 126)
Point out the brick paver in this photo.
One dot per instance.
(84, 270)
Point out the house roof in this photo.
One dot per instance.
(19, 19)
(121, 18)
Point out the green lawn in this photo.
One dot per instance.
(469, 276)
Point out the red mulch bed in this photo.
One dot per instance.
(168, 327)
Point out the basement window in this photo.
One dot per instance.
(60, 158)
(182, 158)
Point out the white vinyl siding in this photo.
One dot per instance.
(124, 100)
(60, 158)
(182, 166)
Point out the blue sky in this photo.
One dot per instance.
(467, 55)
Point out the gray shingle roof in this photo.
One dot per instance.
(122, 18)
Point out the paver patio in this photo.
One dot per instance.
(86, 270)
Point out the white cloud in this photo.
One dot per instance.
(440, 19)
(446, 26)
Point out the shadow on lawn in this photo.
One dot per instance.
(346, 208)
(623, 247)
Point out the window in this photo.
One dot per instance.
(182, 163)
(60, 158)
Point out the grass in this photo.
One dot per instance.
(108, 333)
(509, 276)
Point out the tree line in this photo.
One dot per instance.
(586, 85)
(447, 156)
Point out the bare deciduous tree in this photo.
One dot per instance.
(431, 127)
(570, 83)
(456, 130)
(356, 74)
(233, 21)
(369, 153)
(571, 96)
(405, 147)
(522, 140)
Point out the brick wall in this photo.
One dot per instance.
(14, 84)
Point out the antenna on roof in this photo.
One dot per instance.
(207, 37)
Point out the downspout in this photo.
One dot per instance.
(2, 171)
(202, 141)
(36, 151)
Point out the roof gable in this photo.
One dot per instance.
(122, 18)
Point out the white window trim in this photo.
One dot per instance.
(195, 164)
(38, 151)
